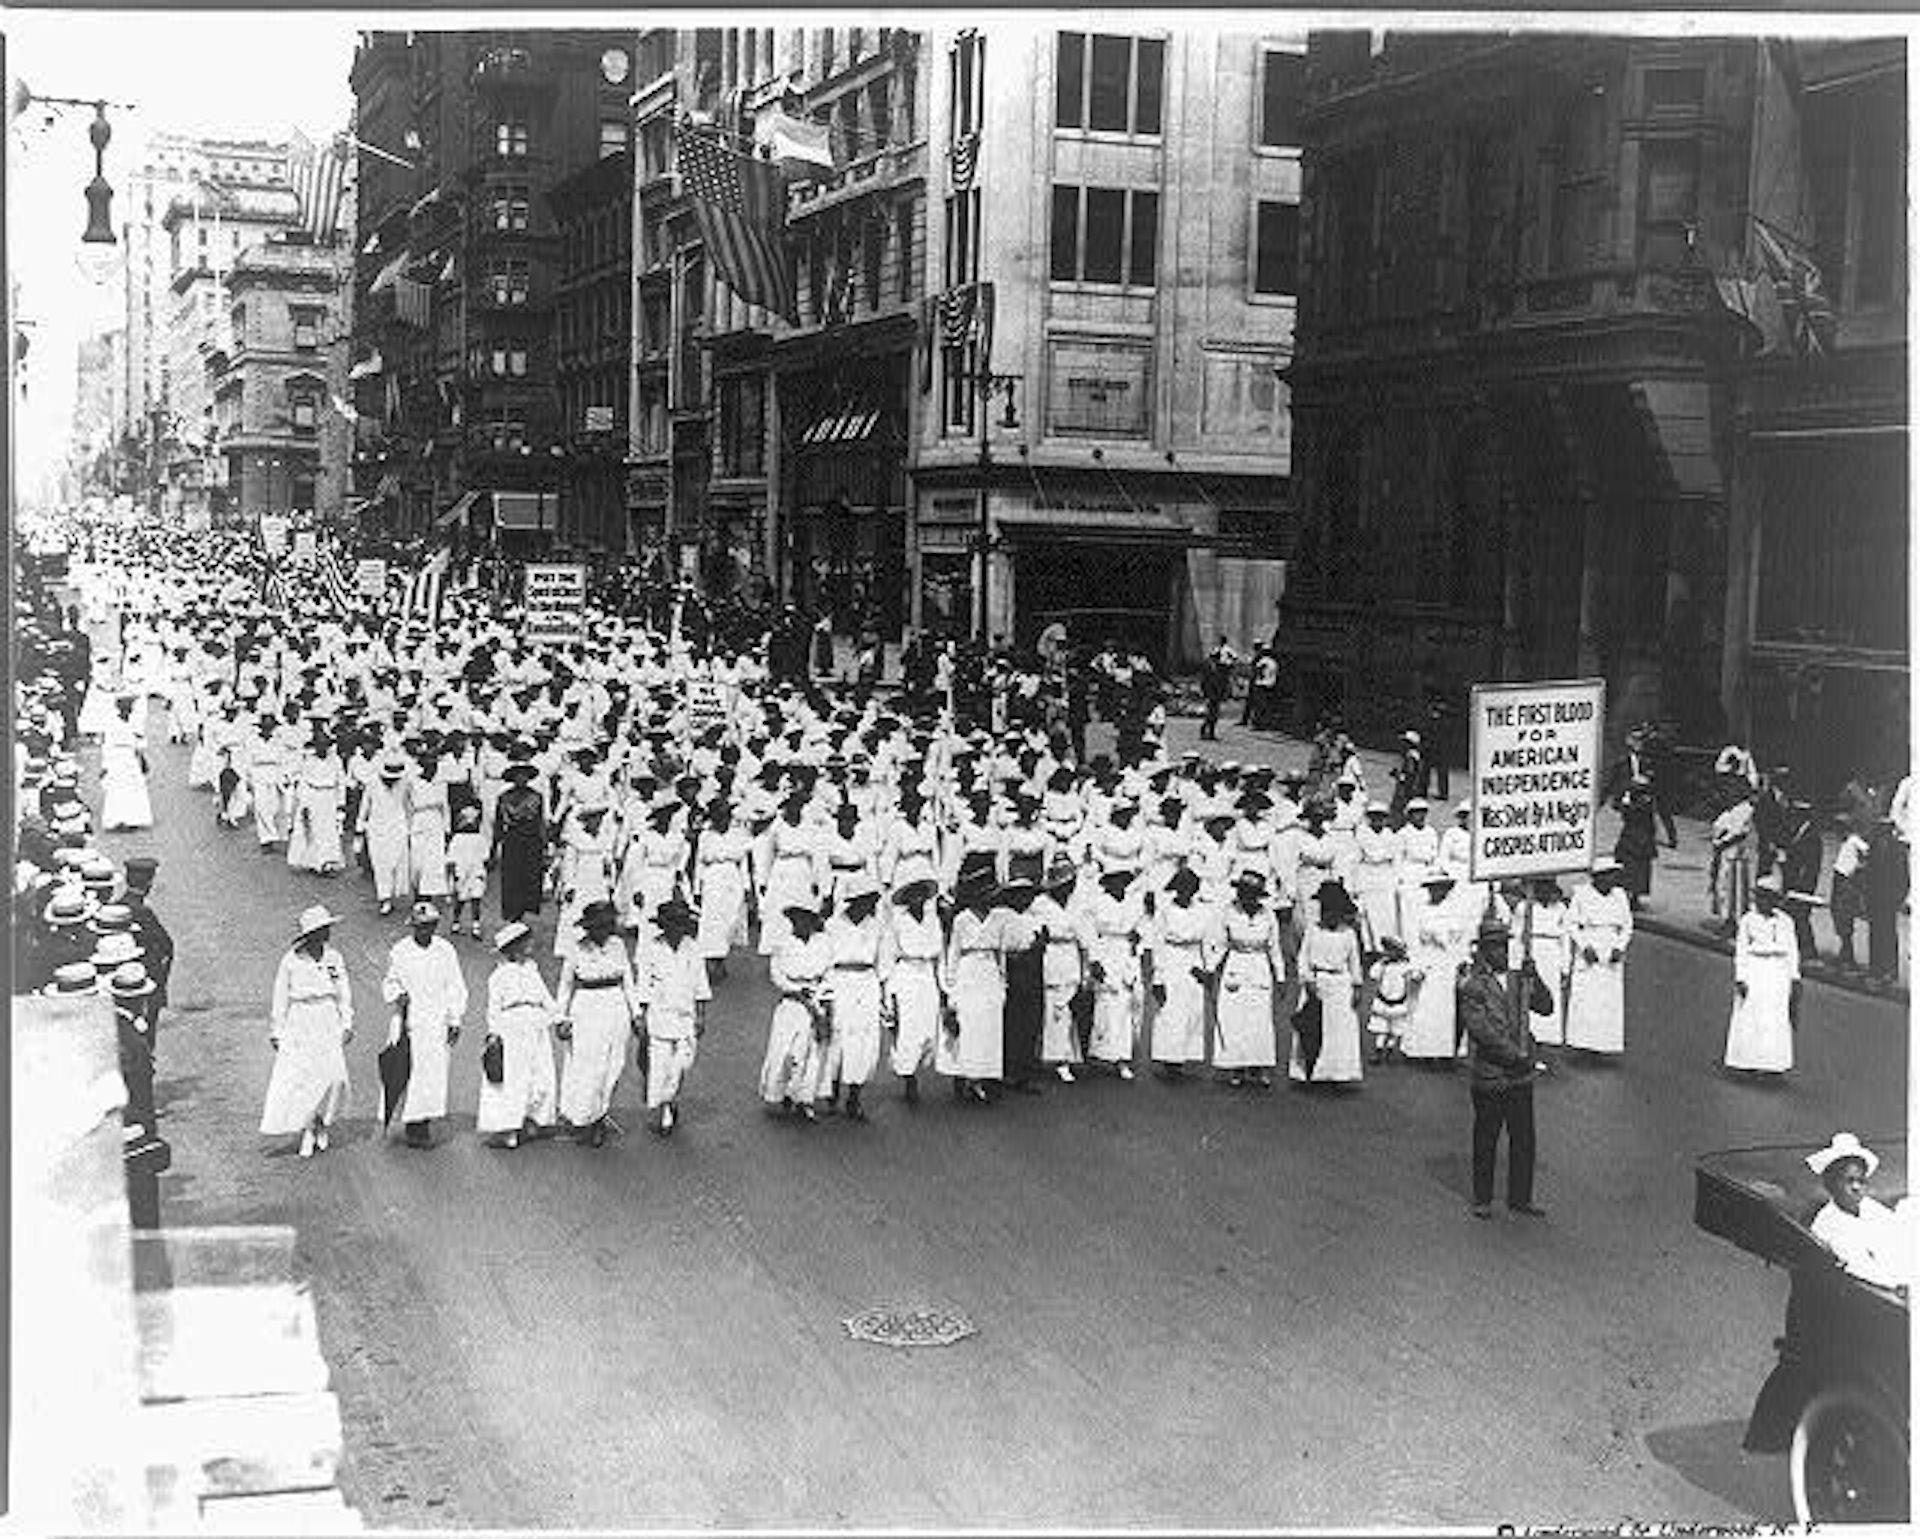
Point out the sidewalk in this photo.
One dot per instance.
(1676, 907)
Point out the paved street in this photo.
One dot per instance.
(1195, 1306)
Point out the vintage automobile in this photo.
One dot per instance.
(1837, 1400)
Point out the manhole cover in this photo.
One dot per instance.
(910, 1327)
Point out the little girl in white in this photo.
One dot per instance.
(1392, 998)
(467, 867)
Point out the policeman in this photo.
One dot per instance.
(155, 943)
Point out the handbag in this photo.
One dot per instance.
(493, 1060)
(1080, 1011)
(1307, 1029)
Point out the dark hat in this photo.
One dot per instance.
(519, 772)
(1493, 931)
(918, 891)
(599, 912)
(675, 915)
(1122, 876)
(1334, 900)
(1062, 873)
(1184, 879)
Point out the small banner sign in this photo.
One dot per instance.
(370, 578)
(556, 604)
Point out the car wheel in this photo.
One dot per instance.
(1850, 1461)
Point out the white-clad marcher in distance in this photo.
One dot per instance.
(670, 975)
(124, 802)
(1061, 918)
(790, 1073)
(1766, 985)
(1331, 972)
(1600, 930)
(382, 824)
(1439, 929)
(911, 977)
(600, 1008)
(858, 941)
(521, 1012)
(311, 1022)
(1251, 977)
(1186, 942)
(429, 995)
(1871, 1240)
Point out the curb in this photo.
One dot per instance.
(1691, 934)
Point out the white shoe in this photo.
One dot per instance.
(666, 1118)
(320, 1140)
(306, 1144)
(1066, 1074)
(1126, 1071)
(386, 908)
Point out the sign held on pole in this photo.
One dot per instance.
(556, 604)
(370, 578)
(1535, 764)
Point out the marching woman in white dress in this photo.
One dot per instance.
(1766, 985)
(721, 885)
(910, 973)
(203, 765)
(600, 1009)
(1601, 926)
(857, 939)
(790, 1073)
(1113, 968)
(1252, 974)
(794, 874)
(1437, 931)
(973, 977)
(1061, 918)
(318, 793)
(1551, 922)
(586, 870)
(425, 983)
(1185, 941)
(312, 1021)
(183, 699)
(1331, 972)
(124, 802)
(521, 1012)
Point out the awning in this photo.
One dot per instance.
(366, 367)
(526, 510)
(458, 513)
(849, 425)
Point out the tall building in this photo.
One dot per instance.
(461, 138)
(593, 297)
(1043, 293)
(93, 467)
(281, 442)
(1534, 440)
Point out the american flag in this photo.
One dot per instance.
(335, 583)
(273, 591)
(319, 176)
(426, 588)
(741, 204)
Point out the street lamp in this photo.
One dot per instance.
(990, 384)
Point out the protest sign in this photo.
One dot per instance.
(1535, 765)
(706, 705)
(370, 578)
(306, 545)
(556, 605)
(274, 532)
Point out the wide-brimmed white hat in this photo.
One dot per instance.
(507, 934)
(317, 917)
(1604, 865)
(1843, 1146)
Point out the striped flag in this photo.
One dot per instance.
(273, 591)
(319, 176)
(339, 594)
(425, 589)
(741, 205)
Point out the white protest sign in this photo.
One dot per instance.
(306, 545)
(556, 605)
(706, 705)
(1536, 777)
(370, 578)
(273, 533)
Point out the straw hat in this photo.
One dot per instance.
(507, 934)
(1842, 1146)
(316, 917)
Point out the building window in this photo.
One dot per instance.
(1276, 247)
(1669, 198)
(873, 257)
(613, 137)
(963, 237)
(1105, 235)
(305, 412)
(306, 329)
(509, 281)
(655, 325)
(1281, 76)
(512, 207)
(505, 431)
(957, 365)
(743, 425)
(650, 417)
(1108, 84)
(510, 139)
(303, 491)
(1676, 90)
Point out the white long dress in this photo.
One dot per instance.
(1255, 967)
(599, 995)
(974, 979)
(1597, 997)
(313, 838)
(1552, 957)
(1766, 957)
(853, 984)
(1330, 967)
(791, 1068)
(793, 878)
(1113, 926)
(912, 977)
(1063, 969)
(124, 802)
(1438, 931)
(430, 977)
(520, 1012)
(1182, 938)
(312, 1013)
(720, 890)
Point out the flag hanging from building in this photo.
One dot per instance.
(413, 302)
(1795, 277)
(741, 205)
(798, 146)
(962, 160)
(319, 177)
(345, 407)
(425, 589)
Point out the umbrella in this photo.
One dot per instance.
(396, 1068)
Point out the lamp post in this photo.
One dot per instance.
(989, 384)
